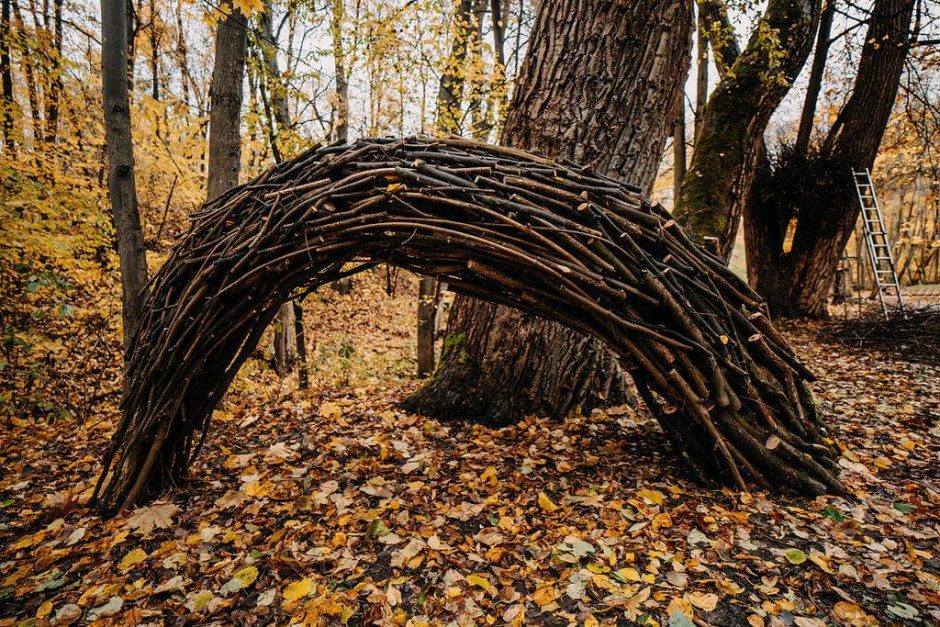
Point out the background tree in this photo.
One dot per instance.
(120, 152)
(53, 91)
(448, 121)
(810, 193)
(583, 95)
(289, 344)
(225, 102)
(730, 140)
(6, 79)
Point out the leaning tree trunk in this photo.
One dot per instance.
(729, 142)
(812, 196)
(598, 86)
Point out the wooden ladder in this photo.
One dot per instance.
(876, 237)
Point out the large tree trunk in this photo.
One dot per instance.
(598, 86)
(730, 141)
(117, 121)
(812, 196)
(225, 97)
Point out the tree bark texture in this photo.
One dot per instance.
(679, 157)
(427, 327)
(340, 130)
(720, 34)
(730, 140)
(117, 121)
(599, 86)
(817, 190)
(225, 98)
(701, 71)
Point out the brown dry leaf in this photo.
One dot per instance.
(707, 601)
(157, 516)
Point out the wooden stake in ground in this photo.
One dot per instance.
(554, 240)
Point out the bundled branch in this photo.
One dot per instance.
(553, 239)
(914, 336)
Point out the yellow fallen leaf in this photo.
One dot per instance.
(257, 489)
(29, 541)
(681, 605)
(653, 496)
(707, 601)
(546, 503)
(590, 621)
(331, 410)
(297, 590)
(727, 586)
(480, 582)
(489, 476)
(544, 595)
(45, 609)
(248, 574)
(661, 521)
(629, 573)
(132, 559)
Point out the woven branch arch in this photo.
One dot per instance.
(500, 224)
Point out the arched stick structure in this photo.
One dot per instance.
(552, 239)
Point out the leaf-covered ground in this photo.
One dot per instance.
(330, 505)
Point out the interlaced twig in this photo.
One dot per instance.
(496, 223)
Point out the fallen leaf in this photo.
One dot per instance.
(112, 607)
(795, 556)
(132, 559)
(240, 580)
(546, 503)
(707, 601)
(297, 590)
(157, 516)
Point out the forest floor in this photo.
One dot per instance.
(331, 505)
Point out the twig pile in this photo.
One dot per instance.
(915, 337)
(500, 224)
